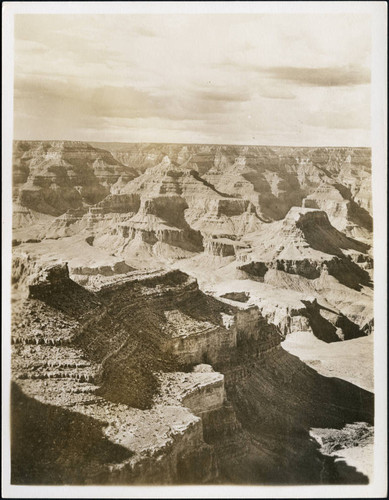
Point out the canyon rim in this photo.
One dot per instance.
(193, 294)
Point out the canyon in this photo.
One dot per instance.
(191, 314)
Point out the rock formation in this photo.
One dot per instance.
(153, 288)
(128, 361)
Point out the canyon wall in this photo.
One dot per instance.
(153, 286)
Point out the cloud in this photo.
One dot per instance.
(67, 98)
(44, 96)
(192, 77)
(321, 77)
(332, 76)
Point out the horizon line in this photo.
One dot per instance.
(191, 143)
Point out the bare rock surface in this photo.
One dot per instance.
(336, 359)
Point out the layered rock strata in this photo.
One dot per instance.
(159, 382)
(150, 410)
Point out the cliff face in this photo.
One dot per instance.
(71, 354)
(212, 204)
(298, 210)
(305, 243)
(52, 177)
(208, 206)
(127, 361)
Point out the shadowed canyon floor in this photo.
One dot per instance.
(191, 314)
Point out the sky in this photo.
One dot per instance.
(266, 79)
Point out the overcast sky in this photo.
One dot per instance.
(235, 79)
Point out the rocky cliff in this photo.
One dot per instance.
(301, 211)
(127, 366)
(153, 287)
(52, 177)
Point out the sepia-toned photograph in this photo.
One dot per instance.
(193, 227)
